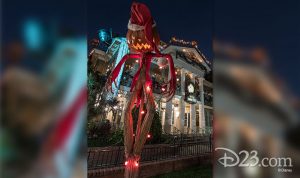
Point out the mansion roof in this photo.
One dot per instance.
(188, 55)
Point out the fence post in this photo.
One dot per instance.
(210, 143)
(118, 154)
(180, 138)
(174, 148)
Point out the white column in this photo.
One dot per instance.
(182, 80)
(124, 100)
(193, 110)
(182, 102)
(181, 115)
(201, 107)
(163, 116)
(123, 113)
(193, 117)
(168, 117)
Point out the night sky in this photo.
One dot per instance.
(273, 25)
(185, 19)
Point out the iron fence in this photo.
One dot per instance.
(104, 157)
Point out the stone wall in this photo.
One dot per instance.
(154, 168)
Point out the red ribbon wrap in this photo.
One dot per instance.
(170, 86)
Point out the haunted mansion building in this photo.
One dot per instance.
(190, 111)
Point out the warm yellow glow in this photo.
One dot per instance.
(176, 114)
(141, 46)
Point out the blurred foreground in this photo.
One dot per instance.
(43, 87)
(253, 111)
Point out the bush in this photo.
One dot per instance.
(112, 139)
(99, 132)
(156, 129)
(116, 138)
(98, 128)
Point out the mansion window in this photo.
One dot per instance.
(197, 119)
(187, 117)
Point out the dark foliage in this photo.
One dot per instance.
(99, 129)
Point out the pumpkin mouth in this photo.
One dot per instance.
(140, 46)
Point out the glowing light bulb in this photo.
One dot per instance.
(163, 89)
(126, 163)
(160, 67)
(177, 79)
(148, 88)
(136, 164)
(148, 135)
(137, 61)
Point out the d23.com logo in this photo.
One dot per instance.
(250, 159)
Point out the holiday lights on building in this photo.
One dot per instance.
(192, 43)
(189, 43)
(192, 95)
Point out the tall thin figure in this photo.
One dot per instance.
(142, 39)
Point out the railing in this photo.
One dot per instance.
(208, 130)
(175, 131)
(99, 158)
(189, 130)
(171, 131)
(204, 131)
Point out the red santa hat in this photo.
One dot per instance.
(141, 19)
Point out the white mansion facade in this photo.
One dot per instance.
(191, 109)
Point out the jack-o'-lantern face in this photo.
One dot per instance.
(137, 40)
